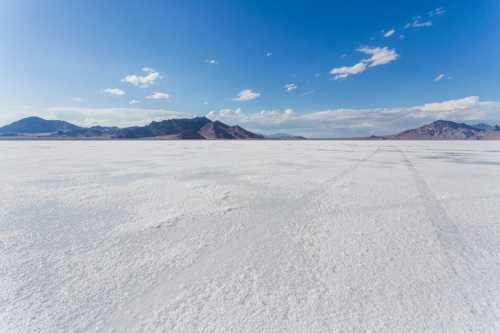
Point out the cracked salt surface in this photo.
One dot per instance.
(249, 236)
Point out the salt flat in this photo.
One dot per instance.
(218, 236)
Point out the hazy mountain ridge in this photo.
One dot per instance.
(284, 136)
(184, 128)
(201, 128)
(449, 130)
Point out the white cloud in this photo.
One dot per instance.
(436, 12)
(114, 91)
(262, 117)
(205, 103)
(454, 104)
(439, 77)
(345, 71)
(134, 101)
(268, 54)
(379, 56)
(143, 81)
(158, 95)
(361, 122)
(212, 61)
(389, 33)
(246, 95)
(290, 86)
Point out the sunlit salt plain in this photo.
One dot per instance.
(218, 236)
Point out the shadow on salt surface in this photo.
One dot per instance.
(207, 174)
(219, 177)
(455, 158)
(139, 163)
(129, 177)
(167, 223)
(101, 180)
(290, 164)
(336, 150)
(170, 224)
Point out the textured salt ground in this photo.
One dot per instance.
(249, 236)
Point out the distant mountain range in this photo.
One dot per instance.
(193, 128)
(202, 128)
(449, 130)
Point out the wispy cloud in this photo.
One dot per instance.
(450, 105)
(309, 92)
(134, 101)
(143, 81)
(158, 95)
(77, 99)
(212, 61)
(114, 91)
(290, 87)
(246, 95)
(425, 21)
(379, 56)
(389, 33)
(439, 77)
(268, 54)
(436, 12)
(418, 23)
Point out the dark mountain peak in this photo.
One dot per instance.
(445, 130)
(441, 122)
(483, 126)
(449, 124)
(194, 120)
(203, 118)
(187, 128)
(32, 118)
(218, 122)
(219, 130)
(33, 124)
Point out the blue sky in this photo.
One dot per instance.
(317, 68)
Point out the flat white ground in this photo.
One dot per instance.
(315, 236)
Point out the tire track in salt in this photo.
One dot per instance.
(446, 230)
(458, 254)
(123, 319)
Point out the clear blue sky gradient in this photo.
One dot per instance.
(53, 51)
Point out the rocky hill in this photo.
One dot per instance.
(37, 125)
(449, 130)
